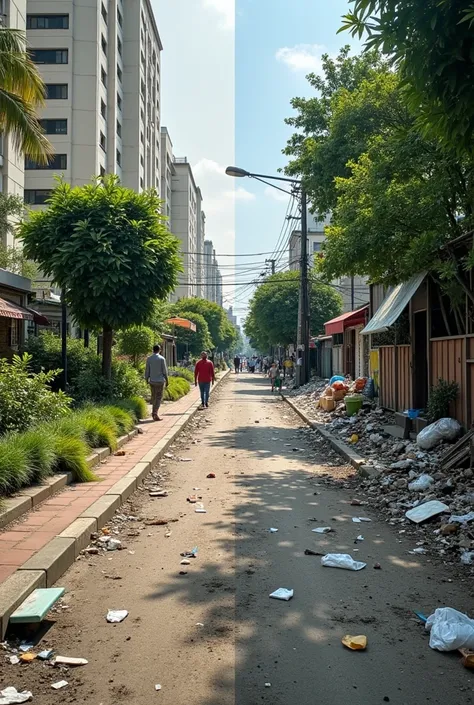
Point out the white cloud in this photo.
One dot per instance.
(276, 195)
(216, 187)
(225, 10)
(302, 57)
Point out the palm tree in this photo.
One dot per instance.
(22, 92)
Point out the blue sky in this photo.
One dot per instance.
(229, 71)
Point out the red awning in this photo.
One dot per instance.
(11, 310)
(352, 318)
(39, 319)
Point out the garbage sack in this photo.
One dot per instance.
(10, 695)
(442, 430)
(421, 483)
(341, 560)
(336, 378)
(450, 630)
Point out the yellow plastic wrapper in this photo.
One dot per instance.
(354, 438)
(355, 643)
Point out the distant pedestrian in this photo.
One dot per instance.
(288, 367)
(204, 375)
(274, 374)
(237, 364)
(156, 374)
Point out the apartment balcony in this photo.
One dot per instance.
(180, 160)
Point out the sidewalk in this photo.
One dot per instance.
(90, 503)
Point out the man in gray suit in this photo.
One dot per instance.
(156, 374)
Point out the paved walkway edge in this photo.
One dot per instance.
(48, 564)
(354, 459)
(14, 507)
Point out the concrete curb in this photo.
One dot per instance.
(342, 449)
(46, 566)
(30, 497)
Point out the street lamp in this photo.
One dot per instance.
(302, 371)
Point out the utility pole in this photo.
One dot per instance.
(303, 371)
(352, 293)
(272, 262)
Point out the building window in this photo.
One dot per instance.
(141, 182)
(142, 139)
(37, 197)
(119, 73)
(102, 170)
(59, 161)
(103, 76)
(102, 141)
(119, 46)
(142, 114)
(119, 101)
(56, 91)
(143, 87)
(49, 56)
(118, 157)
(14, 333)
(104, 13)
(54, 127)
(143, 59)
(119, 18)
(142, 160)
(103, 109)
(47, 22)
(103, 43)
(119, 129)
(317, 246)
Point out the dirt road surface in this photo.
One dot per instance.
(213, 636)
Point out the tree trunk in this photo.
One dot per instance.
(107, 340)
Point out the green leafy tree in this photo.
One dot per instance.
(196, 341)
(273, 315)
(431, 43)
(156, 320)
(211, 312)
(109, 248)
(22, 92)
(136, 342)
(12, 207)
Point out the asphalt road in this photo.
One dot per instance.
(213, 636)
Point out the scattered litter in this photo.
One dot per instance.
(185, 561)
(464, 519)
(467, 558)
(200, 508)
(356, 503)
(359, 538)
(356, 643)
(160, 493)
(116, 616)
(185, 460)
(183, 572)
(359, 520)
(26, 658)
(310, 552)
(160, 522)
(341, 560)
(70, 661)
(273, 531)
(36, 606)
(282, 594)
(26, 646)
(450, 630)
(11, 696)
(426, 511)
(45, 655)
(418, 551)
(322, 530)
(442, 430)
(190, 554)
(192, 499)
(168, 534)
(113, 544)
(377, 566)
(268, 685)
(168, 455)
(59, 685)
(157, 686)
(211, 476)
(199, 624)
(422, 483)
(120, 453)
(14, 660)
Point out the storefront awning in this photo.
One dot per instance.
(11, 310)
(182, 323)
(39, 319)
(393, 305)
(352, 318)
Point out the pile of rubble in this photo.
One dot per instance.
(402, 476)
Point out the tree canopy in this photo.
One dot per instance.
(273, 311)
(109, 249)
(197, 341)
(222, 332)
(431, 44)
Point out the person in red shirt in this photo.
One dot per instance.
(204, 375)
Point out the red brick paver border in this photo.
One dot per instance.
(20, 540)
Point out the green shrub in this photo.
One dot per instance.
(136, 342)
(126, 382)
(183, 372)
(71, 456)
(39, 447)
(26, 398)
(136, 405)
(441, 397)
(176, 388)
(125, 420)
(15, 469)
(45, 350)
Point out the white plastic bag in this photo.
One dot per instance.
(450, 630)
(282, 594)
(421, 483)
(341, 560)
(116, 616)
(10, 695)
(442, 430)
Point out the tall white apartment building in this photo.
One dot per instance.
(201, 234)
(167, 172)
(209, 293)
(185, 209)
(12, 14)
(100, 60)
